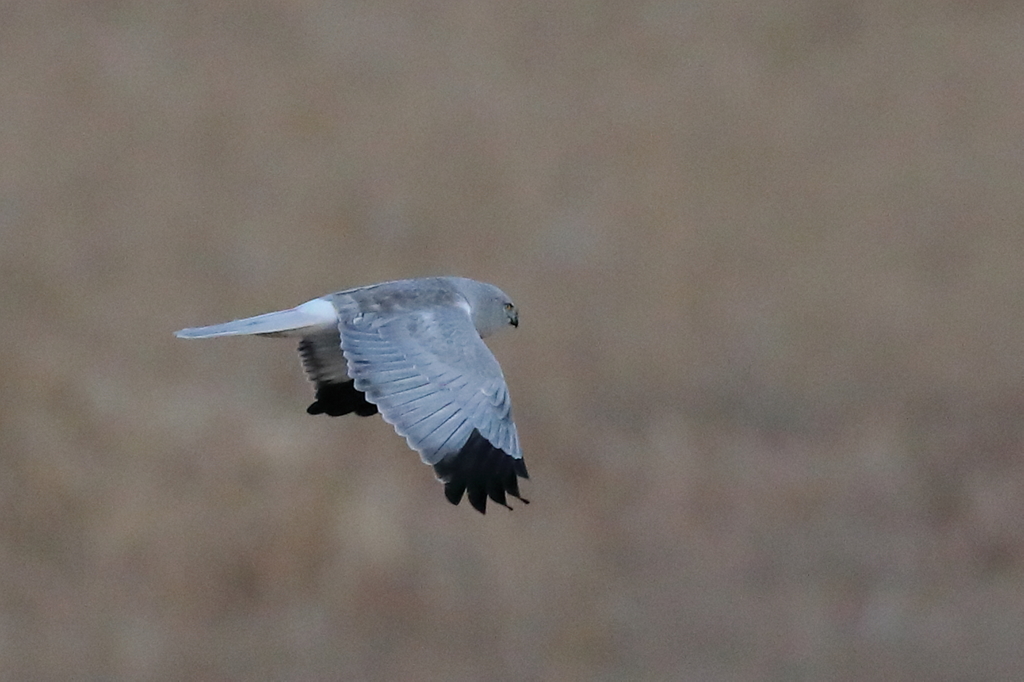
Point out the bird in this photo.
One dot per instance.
(412, 350)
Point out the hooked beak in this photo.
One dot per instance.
(514, 319)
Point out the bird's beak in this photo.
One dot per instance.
(514, 320)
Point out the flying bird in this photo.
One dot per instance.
(413, 351)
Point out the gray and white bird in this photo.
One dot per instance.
(412, 350)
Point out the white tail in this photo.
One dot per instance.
(315, 314)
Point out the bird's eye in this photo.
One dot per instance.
(509, 307)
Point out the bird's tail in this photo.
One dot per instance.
(299, 321)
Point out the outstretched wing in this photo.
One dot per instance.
(324, 363)
(433, 378)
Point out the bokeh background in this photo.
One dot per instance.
(769, 378)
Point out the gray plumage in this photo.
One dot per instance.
(413, 351)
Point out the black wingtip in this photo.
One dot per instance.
(336, 400)
(454, 492)
(480, 471)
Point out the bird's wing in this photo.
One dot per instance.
(325, 366)
(433, 378)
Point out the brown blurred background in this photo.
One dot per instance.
(769, 378)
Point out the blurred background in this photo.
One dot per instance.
(768, 377)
